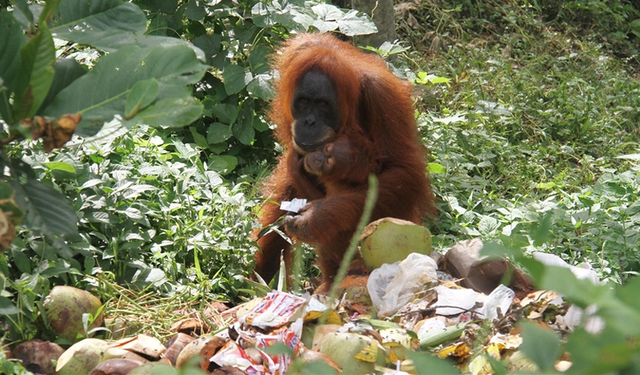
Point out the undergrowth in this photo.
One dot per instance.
(541, 109)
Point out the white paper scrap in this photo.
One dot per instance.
(294, 205)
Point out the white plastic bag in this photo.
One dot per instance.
(393, 285)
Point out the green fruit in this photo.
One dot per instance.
(389, 240)
(64, 308)
(81, 357)
(354, 354)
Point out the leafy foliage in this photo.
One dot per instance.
(532, 128)
(141, 200)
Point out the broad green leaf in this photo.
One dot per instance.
(259, 61)
(65, 72)
(173, 67)
(35, 74)
(98, 23)
(218, 133)
(20, 260)
(171, 112)
(261, 87)
(222, 164)
(243, 128)
(540, 345)
(542, 230)
(46, 209)
(599, 354)
(235, 78)
(148, 276)
(164, 6)
(427, 364)
(582, 292)
(353, 23)
(23, 14)
(195, 10)
(49, 210)
(264, 15)
(209, 44)
(141, 95)
(11, 41)
(436, 168)
(48, 10)
(6, 191)
(8, 205)
(198, 138)
(327, 12)
(60, 166)
(488, 225)
(7, 307)
(109, 26)
(226, 113)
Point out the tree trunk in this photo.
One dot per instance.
(382, 14)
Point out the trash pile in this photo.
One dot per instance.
(425, 304)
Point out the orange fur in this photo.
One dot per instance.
(376, 110)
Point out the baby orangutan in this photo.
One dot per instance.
(340, 165)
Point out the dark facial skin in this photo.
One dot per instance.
(315, 111)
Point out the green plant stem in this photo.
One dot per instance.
(372, 196)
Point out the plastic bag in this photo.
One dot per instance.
(393, 285)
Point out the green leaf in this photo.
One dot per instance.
(195, 10)
(60, 166)
(355, 23)
(542, 231)
(218, 132)
(209, 44)
(198, 138)
(261, 87)
(426, 364)
(582, 292)
(243, 128)
(65, 72)
(61, 170)
(436, 168)
(7, 307)
(234, 79)
(227, 113)
(23, 14)
(46, 209)
(141, 95)
(47, 12)
(265, 15)
(259, 60)
(105, 24)
(21, 261)
(50, 210)
(8, 205)
(35, 74)
(541, 345)
(600, 354)
(11, 41)
(171, 112)
(174, 68)
(222, 163)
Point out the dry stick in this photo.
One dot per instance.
(370, 202)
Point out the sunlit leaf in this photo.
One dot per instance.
(541, 345)
(173, 67)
